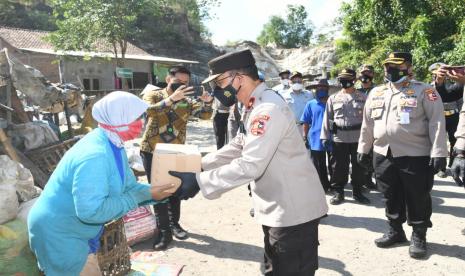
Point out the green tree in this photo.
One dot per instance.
(292, 32)
(84, 23)
(26, 14)
(372, 28)
(273, 32)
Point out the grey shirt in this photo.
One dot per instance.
(410, 121)
(344, 110)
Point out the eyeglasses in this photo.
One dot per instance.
(217, 82)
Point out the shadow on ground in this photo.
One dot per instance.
(371, 224)
(211, 246)
(334, 265)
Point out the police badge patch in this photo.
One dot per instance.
(431, 94)
(258, 125)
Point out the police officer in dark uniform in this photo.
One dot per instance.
(343, 119)
(366, 75)
(452, 98)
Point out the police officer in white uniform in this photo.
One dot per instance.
(287, 196)
(404, 122)
(284, 82)
(297, 98)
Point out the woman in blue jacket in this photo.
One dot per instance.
(91, 186)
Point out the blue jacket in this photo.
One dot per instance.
(313, 115)
(84, 192)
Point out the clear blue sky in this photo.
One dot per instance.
(244, 19)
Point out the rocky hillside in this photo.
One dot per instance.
(307, 60)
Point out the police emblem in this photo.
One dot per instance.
(258, 125)
(227, 94)
(431, 94)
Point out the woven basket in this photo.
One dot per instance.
(113, 256)
(47, 158)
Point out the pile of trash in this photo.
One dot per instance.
(16, 188)
(17, 196)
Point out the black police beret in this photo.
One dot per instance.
(284, 72)
(229, 61)
(347, 74)
(398, 58)
(366, 68)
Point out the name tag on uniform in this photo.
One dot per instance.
(404, 118)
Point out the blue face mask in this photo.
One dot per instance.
(321, 93)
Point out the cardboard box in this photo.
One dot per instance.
(173, 157)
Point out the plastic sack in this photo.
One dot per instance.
(15, 256)
(139, 225)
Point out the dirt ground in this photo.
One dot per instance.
(225, 240)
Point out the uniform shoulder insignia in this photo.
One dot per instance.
(431, 94)
(258, 125)
(429, 90)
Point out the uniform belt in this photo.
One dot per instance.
(354, 127)
(450, 112)
(222, 111)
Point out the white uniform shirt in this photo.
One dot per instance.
(286, 190)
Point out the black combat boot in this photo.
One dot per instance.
(178, 232)
(417, 249)
(395, 235)
(338, 198)
(165, 237)
(369, 182)
(359, 197)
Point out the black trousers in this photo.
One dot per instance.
(406, 183)
(319, 161)
(220, 126)
(369, 171)
(451, 127)
(291, 251)
(165, 213)
(343, 155)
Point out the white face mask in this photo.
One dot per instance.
(401, 80)
(285, 82)
(297, 86)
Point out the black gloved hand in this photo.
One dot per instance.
(189, 186)
(364, 160)
(458, 170)
(325, 143)
(438, 164)
(307, 145)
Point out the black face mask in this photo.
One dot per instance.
(365, 79)
(347, 83)
(395, 74)
(226, 96)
